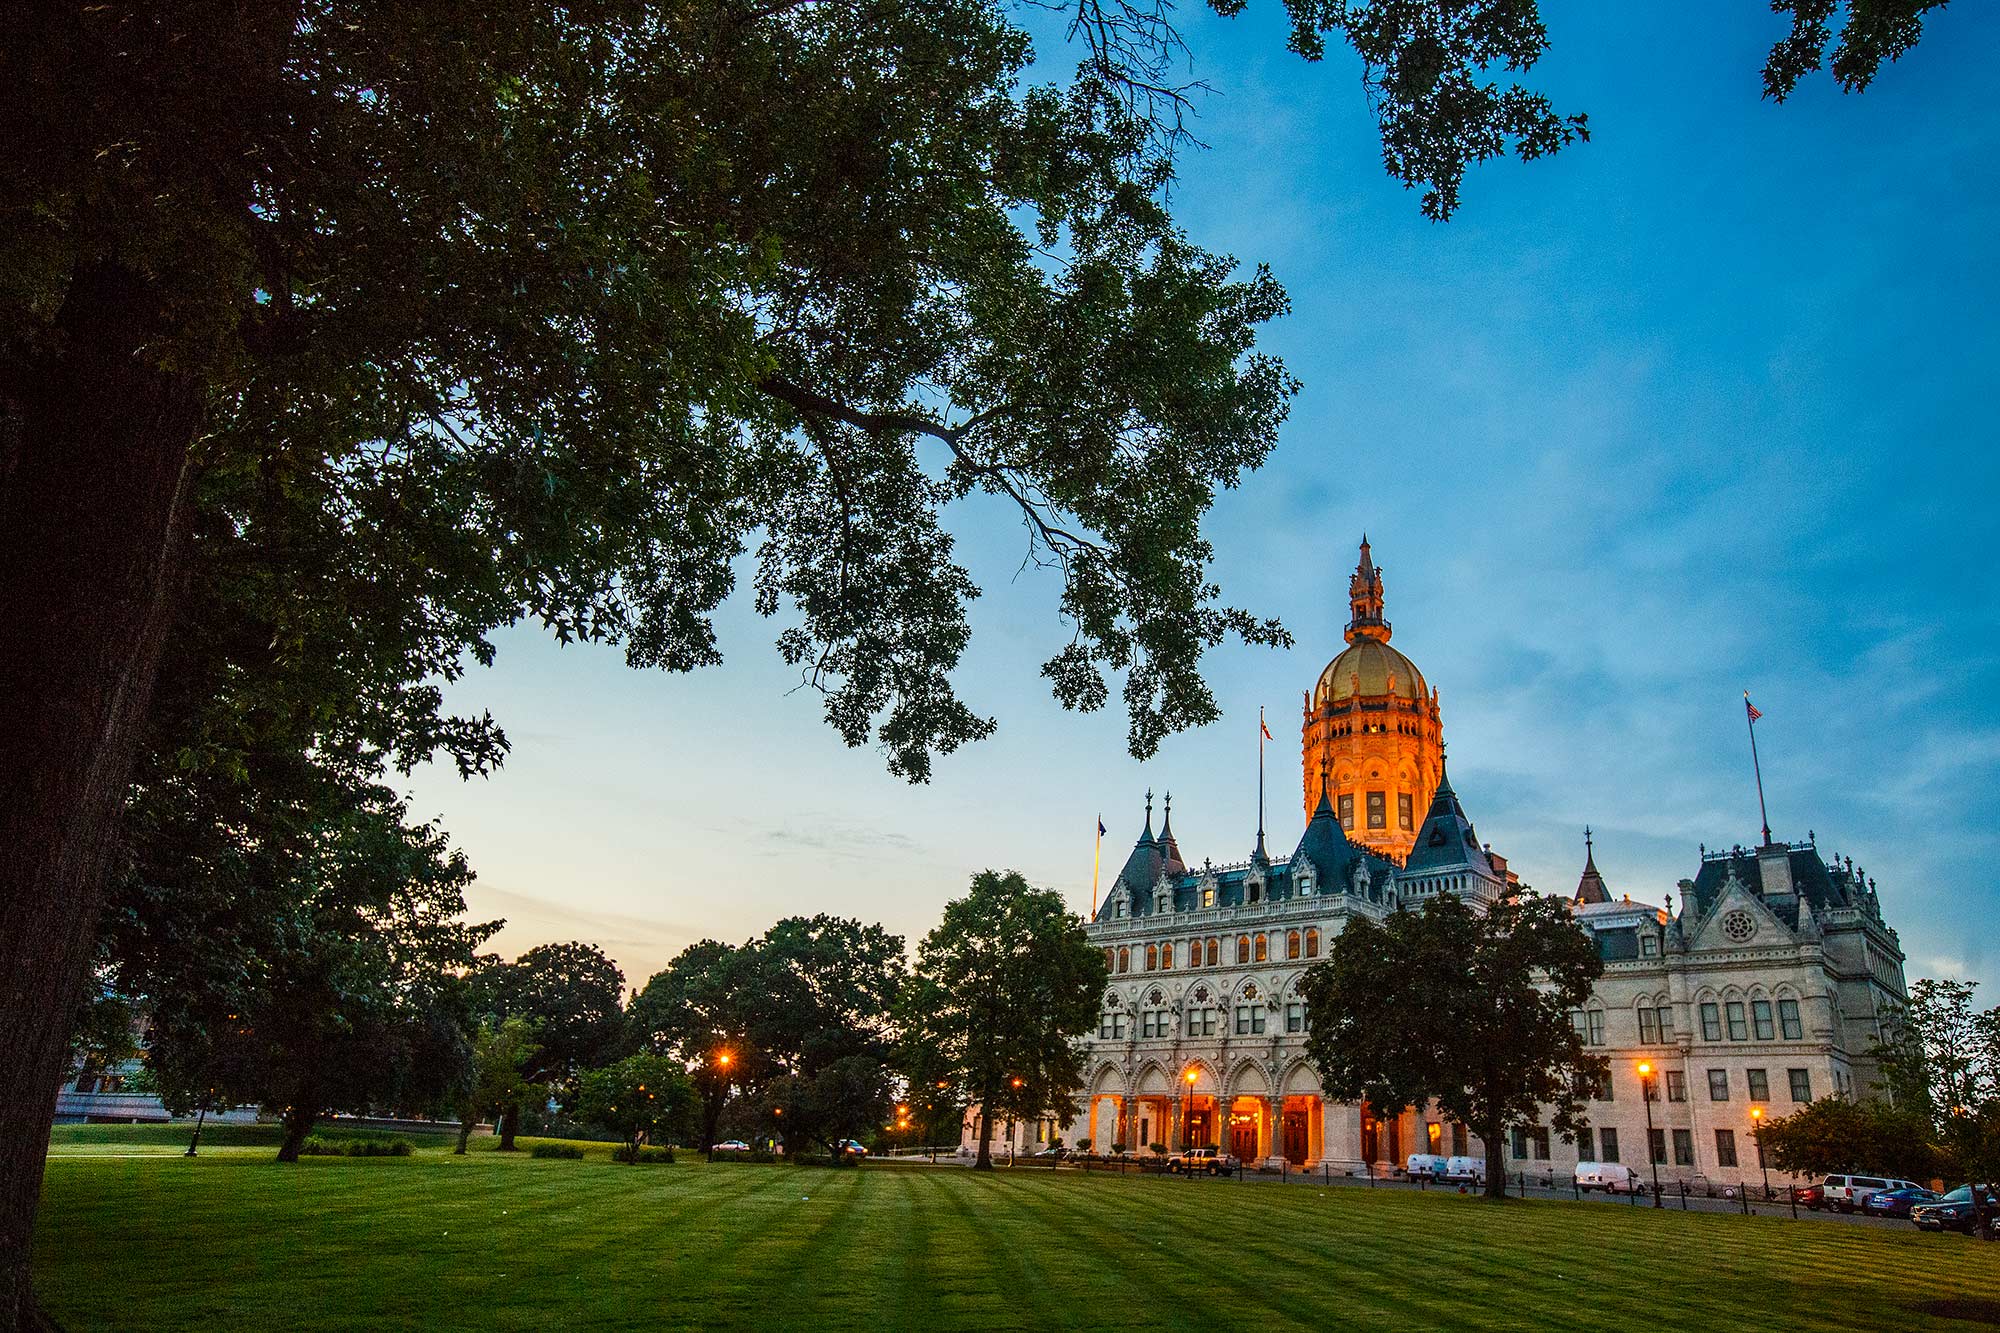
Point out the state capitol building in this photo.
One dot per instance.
(1762, 987)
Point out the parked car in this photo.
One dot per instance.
(1846, 1194)
(1610, 1177)
(1811, 1196)
(1053, 1151)
(1465, 1170)
(1200, 1161)
(1897, 1203)
(1425, 1166)
(1954, 1212)
(852, 1148)
(731, 1145)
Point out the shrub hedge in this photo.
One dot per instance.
(315, 1146)
(566, 1151)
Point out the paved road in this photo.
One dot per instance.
(1694, 1203)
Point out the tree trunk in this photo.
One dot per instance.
(1496, 1181)
(299, 1121)
(93, 459)
(464, 1133)
(984, 1162)
(510, 1124)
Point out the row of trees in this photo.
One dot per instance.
(809, 1032)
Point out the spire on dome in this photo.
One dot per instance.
(1590, 889)
(1364, 596)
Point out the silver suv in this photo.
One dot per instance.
(1201, 1161)
(1846, 1194)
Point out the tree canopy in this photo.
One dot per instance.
(641, 1098)
(1002, 988)
(1469, 1009)
(1941, 1063)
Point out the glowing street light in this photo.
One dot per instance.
(1757, 1132)
(1646, 1096)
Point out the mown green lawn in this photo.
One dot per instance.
(232, 1240)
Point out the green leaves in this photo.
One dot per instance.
(1471, 1010)
(1002, 987)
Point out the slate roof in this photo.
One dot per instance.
(1824, 886)
(1446, 837)
(1590, 888)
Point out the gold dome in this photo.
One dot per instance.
(1367, 669)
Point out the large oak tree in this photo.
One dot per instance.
(1469, 1009)
(1002, 989)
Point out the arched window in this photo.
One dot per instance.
(1292, 945)
(1124, 960)
(1312, 943)
(1152, 958)
(1166, 957)
(1194, 953)
(1263, 949)
(1214, 951)
(1242, 948)
(1110, 959)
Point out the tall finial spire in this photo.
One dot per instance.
(1364, 597)
(1590, 888)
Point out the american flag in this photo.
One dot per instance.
(1750, 708)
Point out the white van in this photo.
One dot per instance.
(1611, 1177)
(1425, 1166)
(1846, 1194)
(1470, 1170)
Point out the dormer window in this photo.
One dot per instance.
(1208, 897)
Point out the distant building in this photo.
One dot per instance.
(1765, 989)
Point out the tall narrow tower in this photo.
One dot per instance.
(1372, 726)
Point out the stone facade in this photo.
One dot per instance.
(1764, 989)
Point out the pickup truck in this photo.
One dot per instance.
(1200, 1161)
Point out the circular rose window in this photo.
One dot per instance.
(1738, 926)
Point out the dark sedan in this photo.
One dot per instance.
(1954, 1212)
(1896, 1203)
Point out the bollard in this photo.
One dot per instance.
(1524, 1185)
(1635, 1196)
(1793, 1190)
(1284, 1170)
(1743, 1193)
(1369, 1167)
(1684, 1196)
(1574, 1192)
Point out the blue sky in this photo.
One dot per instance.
(1699, 407)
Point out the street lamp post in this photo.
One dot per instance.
(1646, 1096)
(719, 1088)
(1757, 1133)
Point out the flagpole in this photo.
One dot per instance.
(1096, 860)
(1750, 720)
(1261, 732)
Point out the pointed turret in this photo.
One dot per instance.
(1590, 889)
(1170, 851)
(1141, 871)
(1325, 842)
(1446, 837)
